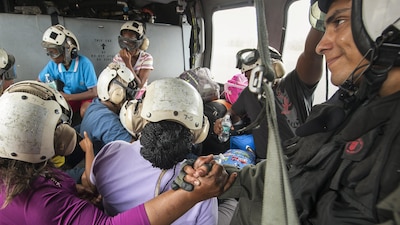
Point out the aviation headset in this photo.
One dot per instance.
(35, 125)
(379, 39)
(176, 100)
(6, 61)
(142, 42)
(376, 34)
(71, 48)
(248, 59)
(63, 40)
(6, 67)
(114, 84)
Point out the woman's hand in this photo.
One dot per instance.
(126, 57)
(86, 144)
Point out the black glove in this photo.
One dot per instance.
(179, 182)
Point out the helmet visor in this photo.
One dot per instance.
(246, 57)
(53, 53)
(129, 44)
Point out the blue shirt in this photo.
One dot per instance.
(103, 125)
(79, 78)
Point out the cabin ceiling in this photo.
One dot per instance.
(103, 9)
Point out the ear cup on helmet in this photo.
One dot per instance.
(10, 62)
(117, 93)
(74, 52)
(65, 138)
(279, 68)
(201, 134)
(145, 44)
(72, 48)
(130, 116)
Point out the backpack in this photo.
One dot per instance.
(201, 79)
(234, 86)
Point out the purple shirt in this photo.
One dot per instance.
(47, 203)
(125, 179)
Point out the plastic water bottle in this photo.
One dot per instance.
(237, 157)
(50, 81)
(226, 128)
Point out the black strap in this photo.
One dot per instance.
(54, 18)
(255, 123)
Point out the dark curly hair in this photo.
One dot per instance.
(165, 143)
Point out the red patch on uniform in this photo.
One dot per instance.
(354, 146)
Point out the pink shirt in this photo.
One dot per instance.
(145, 61)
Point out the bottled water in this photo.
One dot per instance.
(237, 157)
(226, 128)
(50, 81)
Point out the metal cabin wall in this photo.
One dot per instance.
(22, 36)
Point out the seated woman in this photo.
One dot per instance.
(127, 174)
(77, 80)
(32, 191)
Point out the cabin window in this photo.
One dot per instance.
(233, 30)
(236, 29)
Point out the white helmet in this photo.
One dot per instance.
(61, 39)
(142, 42)
(113, 82)
(176, 100)
(134, 26)
(6, 63)
(6, 68)
(56, 36)
(375, 26)
(34, 123)
(3, 58)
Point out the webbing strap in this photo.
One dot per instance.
(54, 18)
(278, 203)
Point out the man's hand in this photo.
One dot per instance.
(204, 171)
(218, 126)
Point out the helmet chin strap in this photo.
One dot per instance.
(381, 57)
(350, 85)
(373, 78)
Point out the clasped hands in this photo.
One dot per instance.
(204, 172)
